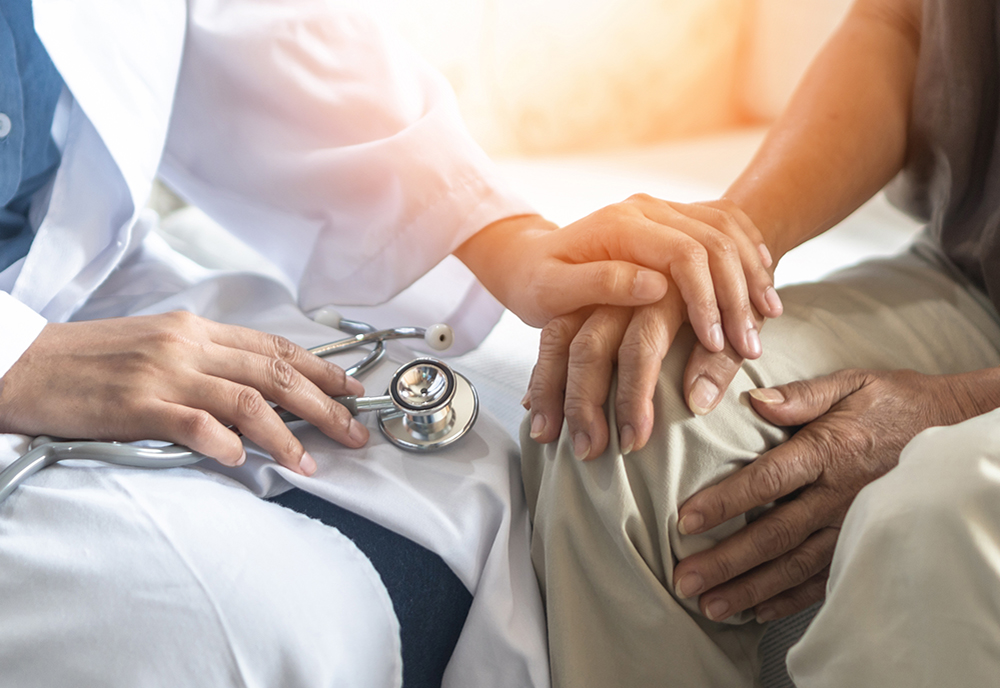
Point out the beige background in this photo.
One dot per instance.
(555, 76)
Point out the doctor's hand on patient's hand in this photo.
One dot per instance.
(622, 255)
(855, 424)
(578, 351)
(179, 378)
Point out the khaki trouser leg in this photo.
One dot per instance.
(913, 598)
(605, 540)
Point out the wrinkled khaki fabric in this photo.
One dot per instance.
(605, 540)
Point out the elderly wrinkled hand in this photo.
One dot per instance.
(719, 278)
(855, 424)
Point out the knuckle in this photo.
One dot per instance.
(250, 403)
(713, 505)
(722, 246)
(337, 416)
(774, 536)
(282, 348)
(577, 408)
(196, 424)
(727, 568)
(767, 482)
(181, 319)
(694, 252)
(799, 566)
(616, 212)
(556, 335)
(544, 382)
(729, 224)
(282, 374)
(639, 198)
(588, 347)
(751, 591)
(338, 374)
(646, 343)
(290, 447)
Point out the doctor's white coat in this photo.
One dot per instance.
(321, 141)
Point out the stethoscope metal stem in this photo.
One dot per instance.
(353, 404)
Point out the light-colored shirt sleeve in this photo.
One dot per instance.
(21, 325)
(328, 145)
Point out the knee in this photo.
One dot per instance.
(635, 497)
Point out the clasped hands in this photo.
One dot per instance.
(854, 423)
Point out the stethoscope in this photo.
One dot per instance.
(426, 407)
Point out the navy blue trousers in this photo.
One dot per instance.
(430, 601)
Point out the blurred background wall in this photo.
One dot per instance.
(554, 76)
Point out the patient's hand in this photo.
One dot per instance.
(856, 423)
(179, 378)
(577, 351)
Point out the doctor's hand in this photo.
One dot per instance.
(855, 424)
(621, 255)
(179, 378)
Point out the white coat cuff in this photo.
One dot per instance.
(20, 326)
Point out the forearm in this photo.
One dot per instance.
(972, 394)
(843, 135)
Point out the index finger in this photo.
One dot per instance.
(773, 475)
(329, 377)
(707, 376)
(648, 337)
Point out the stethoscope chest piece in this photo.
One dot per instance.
(433, 406)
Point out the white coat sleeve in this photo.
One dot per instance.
(327, 144)
(19, 326)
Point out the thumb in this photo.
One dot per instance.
(798, 403)
(606, 282)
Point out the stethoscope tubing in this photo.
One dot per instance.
(46, 451)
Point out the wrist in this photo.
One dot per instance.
(974, 393)
(485, 252)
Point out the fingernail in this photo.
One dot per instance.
(526, 401)
(767, 395)
(773, 300)
(307, 464)
(717, 610)
(243, 459)
(648, 285)
(753, 342)
(690, 523)
(354, 386)
(357, 433)
(690, 585)
(537, 426)
(766, 614)
(716, 338)
(765, 255)
(626, 439)
(581, 445)
(704, 392)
